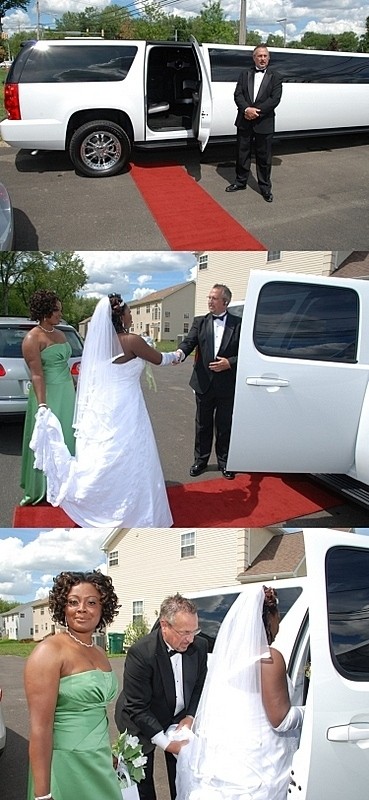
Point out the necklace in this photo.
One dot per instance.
(78, 640)
(46, 329)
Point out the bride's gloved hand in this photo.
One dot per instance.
(169, 358)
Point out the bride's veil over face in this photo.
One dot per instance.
(101, 347)
(228, 719)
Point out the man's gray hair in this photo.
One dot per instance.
(174, 603)
(227, 294)
(261, 46)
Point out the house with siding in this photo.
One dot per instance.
(233, 268)
(43, 625)
(165, 315)
(147, 564)
(17, 623)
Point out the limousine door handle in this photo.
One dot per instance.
(266, 382)
(354, 732)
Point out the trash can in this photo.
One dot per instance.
(116, 641)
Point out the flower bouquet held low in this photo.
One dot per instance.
(129, 763)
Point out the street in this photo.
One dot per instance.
(320, 188)
(14, 761)
(172, 412)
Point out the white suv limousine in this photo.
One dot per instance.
(95, 99)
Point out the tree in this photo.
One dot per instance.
(14, 267)
(135, 630)
(212, 26)
(153, 24)
(275, 40)
(22, 273)
(9, 5)
(6, 605)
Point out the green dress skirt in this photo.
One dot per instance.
(60, 397)
(82, 765)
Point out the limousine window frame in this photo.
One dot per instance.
(337, 574)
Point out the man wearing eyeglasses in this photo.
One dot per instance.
(163, 677)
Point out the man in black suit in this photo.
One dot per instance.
(164, 673)
(216, 338)
(257, 94)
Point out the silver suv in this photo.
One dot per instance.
(15, 379)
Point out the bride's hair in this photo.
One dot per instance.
(270, 608)
(117, 310)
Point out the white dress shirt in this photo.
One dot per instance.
(258, 77)
(218, 328)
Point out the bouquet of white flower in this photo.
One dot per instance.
(130, 763)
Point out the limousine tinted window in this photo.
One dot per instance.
(305, 321)
(70, 64)
(213, 608)
(347, 571)
(299, 67)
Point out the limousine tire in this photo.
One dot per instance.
(100, 148)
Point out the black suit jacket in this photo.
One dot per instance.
(146, 704)
(201, 337)
(268, 97)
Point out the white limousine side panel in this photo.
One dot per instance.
(294, 413)
(333, 758)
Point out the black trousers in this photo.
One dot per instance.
(213, 412)
(146, 788)
(263, 157)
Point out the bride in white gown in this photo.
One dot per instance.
(245, 729)
(115, 477)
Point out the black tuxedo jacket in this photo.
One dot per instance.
(268, 97)
(201, 337)
(146, 704)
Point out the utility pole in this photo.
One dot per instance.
(38, 19)
(284, 20)
(242, 33)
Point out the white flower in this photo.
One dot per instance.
(140, 761)
(132, 741)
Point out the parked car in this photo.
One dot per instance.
(2, 726)
(6, 220)
(324, 637)
(15, 378)
(303, 380)
(96, 99)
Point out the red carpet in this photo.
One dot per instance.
(188, 217)
(250, 500)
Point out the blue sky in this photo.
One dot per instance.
(323, 16)
(29, 558)
(135, 273)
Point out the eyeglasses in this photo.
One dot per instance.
(185, 633)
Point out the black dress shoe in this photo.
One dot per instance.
(227, 474)
(268, 197)
(197, 468)
(235, 187)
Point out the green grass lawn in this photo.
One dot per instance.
(12, 648)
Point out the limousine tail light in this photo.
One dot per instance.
(2, 371)
(74, 370)
(11, 101)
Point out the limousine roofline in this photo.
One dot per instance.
(286, 580)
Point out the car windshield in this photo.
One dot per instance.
(11, 341)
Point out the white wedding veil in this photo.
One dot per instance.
(101, 348)
(223, 755)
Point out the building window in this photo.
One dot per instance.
(203, 262)
(166, 327)
(186, 315)
(113, 558)
(31, 631)
(137, 610)
(155, 313)
(21, 616)
(42, 611)
(187, 544)
(45, 626)
(138, 310)
(36, 628)
(274, 255)
(167, 314)
(148, 308)
(185, 327)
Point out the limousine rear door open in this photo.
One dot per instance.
(333, 757)
(203, 116)
(302, 374)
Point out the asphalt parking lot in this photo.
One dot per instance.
(320, 187)
(14, 761)
(172, 411)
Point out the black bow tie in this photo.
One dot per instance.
(172, 653)
(219, 316)
(260, 70)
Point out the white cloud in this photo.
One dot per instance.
(138, 294)
(144, 279)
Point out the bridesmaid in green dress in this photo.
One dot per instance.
(68, 682)
(46, 352)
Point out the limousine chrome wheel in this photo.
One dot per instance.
(100, 148)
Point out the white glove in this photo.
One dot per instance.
(292, 720)
(169, 358)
